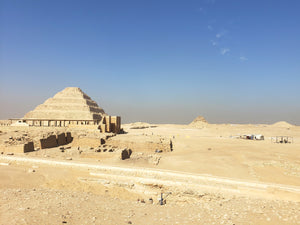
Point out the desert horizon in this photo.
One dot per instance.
(67, 154)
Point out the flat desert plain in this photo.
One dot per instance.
(211, 176)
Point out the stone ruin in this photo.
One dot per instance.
(71, 108)
(199, 122)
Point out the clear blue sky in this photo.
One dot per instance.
(163, 61)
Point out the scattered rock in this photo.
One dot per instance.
(154, 159)
(10, 153)
(125, 154)
(31, 170)
(69, 158)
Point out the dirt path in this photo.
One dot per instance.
(145, 180)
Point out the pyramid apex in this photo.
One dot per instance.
(72, 89)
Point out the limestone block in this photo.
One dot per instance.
(142, 144)
(103, 128)
(115, 124)
(21, 148)
(69, 138)
(84, 126)
(28, 147)
(125, 154)
(61, 139)
(108, 124)
(49, 142)
(86, 142)
(45, 123)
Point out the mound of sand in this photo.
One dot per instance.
(199, 122)
(282, 124)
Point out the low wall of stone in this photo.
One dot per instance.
(21, 148)
(87, 142)
(89, 127)
(28, 147)
(69, 138)
(61, 139)
(55, 140)
(141, 146)
(49, 142)
(109, 124)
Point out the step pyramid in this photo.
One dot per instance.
(69, 104)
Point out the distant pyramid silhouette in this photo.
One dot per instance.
(70, 104)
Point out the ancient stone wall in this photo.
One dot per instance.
(55, 140)
(108, 124)
(61, 139)
(116, 124)
(19, 148)
(5, 122)
(69, 138)
(28, 147)
(111, 124)
(86, 142)
(142, 146)
(49, 142)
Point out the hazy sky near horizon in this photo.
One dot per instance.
(163, 61)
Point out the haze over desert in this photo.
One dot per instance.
(80, 170)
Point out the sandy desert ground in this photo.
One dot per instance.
(210, 177)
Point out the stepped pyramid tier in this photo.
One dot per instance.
(199, 122)
(70, 104)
